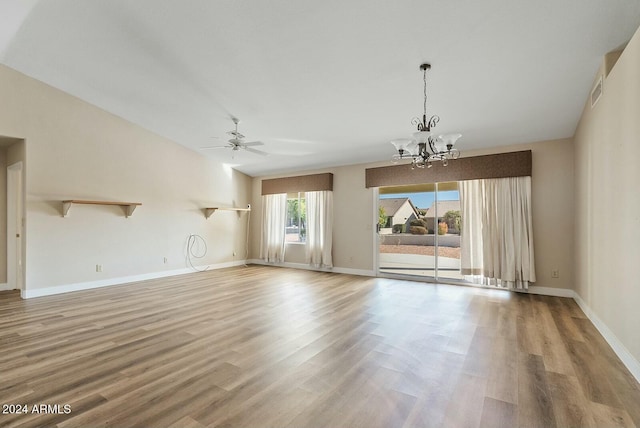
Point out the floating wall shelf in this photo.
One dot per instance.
(129, 207)
(209, 211)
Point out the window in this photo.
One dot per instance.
(296, 227)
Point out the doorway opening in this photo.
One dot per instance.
(15, 207)
(419, 231)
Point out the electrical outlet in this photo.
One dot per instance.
(98, 268)
(234, 254)
(555, 273)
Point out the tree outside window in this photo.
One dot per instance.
(296, 227)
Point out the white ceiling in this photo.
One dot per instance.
(321, 83)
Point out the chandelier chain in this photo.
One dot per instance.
(424, 79)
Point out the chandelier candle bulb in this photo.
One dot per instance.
(428, 148)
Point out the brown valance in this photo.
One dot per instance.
(301, 183)
(502, 165)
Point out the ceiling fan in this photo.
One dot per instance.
(237, 142)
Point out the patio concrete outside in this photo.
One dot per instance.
(419, 265)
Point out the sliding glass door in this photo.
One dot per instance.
(419, 231)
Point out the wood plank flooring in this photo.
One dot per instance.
(261, 346)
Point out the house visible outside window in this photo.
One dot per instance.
(296, 226)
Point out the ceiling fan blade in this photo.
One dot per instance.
(214, 147)
(258, 152)
(253, 143)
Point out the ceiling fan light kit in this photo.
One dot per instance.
(236, 142)
(425, 148)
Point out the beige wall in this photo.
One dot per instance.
(353, 237)
(76, 151)
(353, 219)
(553, 210)
(607, 228)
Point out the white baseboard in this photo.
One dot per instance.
(550, 291)
(618, 347)
(66, 288)
(335, 269)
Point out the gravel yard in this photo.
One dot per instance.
(423, 250)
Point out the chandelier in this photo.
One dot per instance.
(425, 148)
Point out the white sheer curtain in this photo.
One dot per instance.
(319, 228)
(500, 252)
(274, 218)
(471, 231)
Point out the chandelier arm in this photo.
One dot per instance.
(433, 121)
(432, 146)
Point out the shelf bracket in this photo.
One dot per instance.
(65, 208)
(129, 209)
(209, 211)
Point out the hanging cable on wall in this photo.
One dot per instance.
(196, 249)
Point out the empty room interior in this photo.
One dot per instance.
(299, 214)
